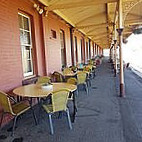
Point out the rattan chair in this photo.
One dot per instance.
(15, 110)
(43, 80)
(88, 68)
(91, 62)
(58, 103)
(57, 77)
(72, 95)
(67, 70)
(81, 80)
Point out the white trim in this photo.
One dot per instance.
(29, 45)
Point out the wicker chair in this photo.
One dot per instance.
(58, 104)
(15, 110)
(81, 80)
(57, 77)
(43, 80)
(67, 70)
(72, 95)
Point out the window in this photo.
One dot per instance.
(81, 43)
(76, 51)
(26, 44)
(63, 49)
(53, 34)
(87, 49)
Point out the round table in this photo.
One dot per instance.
(35, 90)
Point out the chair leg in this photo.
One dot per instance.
(51, 124)
(69, 119)
(35, 118)
(77, 92)
(86, 87)
(1, 118)
(74, 103)
(94, 74)
(90, 81)
(60, 115)
(14, 124)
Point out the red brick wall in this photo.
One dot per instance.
(11, 73)
(48, 50)
(52, 46)
(79, 37)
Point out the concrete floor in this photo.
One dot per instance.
(102, 116)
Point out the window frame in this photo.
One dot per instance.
(30, 45)
(76, 49)
(64, 44)
(82, 52)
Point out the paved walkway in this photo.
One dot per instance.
(131, 108)
(102, 116)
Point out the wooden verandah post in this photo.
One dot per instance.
(115, 58)
(120, 30)
(115, 51)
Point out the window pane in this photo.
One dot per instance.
(62, 42)
(21, 37)
(20, 21)
(26, 23)
(28, 55)
(27, 38)
(29, 66)
(27, 60)
(63, 57)
(62, 39)
(26, 51)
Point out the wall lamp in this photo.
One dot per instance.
(41, 10)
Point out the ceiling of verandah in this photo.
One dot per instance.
(132, 16)
(95, 18)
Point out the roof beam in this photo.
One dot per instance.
(98, 36)
(92, 25)
(95, 29)
(91, 17)
(133, 21)
(135, 15)
(45, 2)
(108, 20)
(133, 24)
(76, 4)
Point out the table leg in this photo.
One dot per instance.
(35, 118)
(74, 107)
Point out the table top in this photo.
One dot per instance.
(71, 74)
(35, 90)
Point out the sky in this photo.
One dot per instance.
(132, 51)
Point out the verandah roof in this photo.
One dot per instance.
(96, 18)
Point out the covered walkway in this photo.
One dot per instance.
(131, 107)
(102, 116)
(98, 118)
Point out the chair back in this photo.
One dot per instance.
(43, 79)
(57, 77)
(81, 77)
(67, 70)
(5, 103)
(59, 100)
(72, 81)
(91, 62)
(74, 68)
(88, 68)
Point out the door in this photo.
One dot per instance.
(63, 48)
